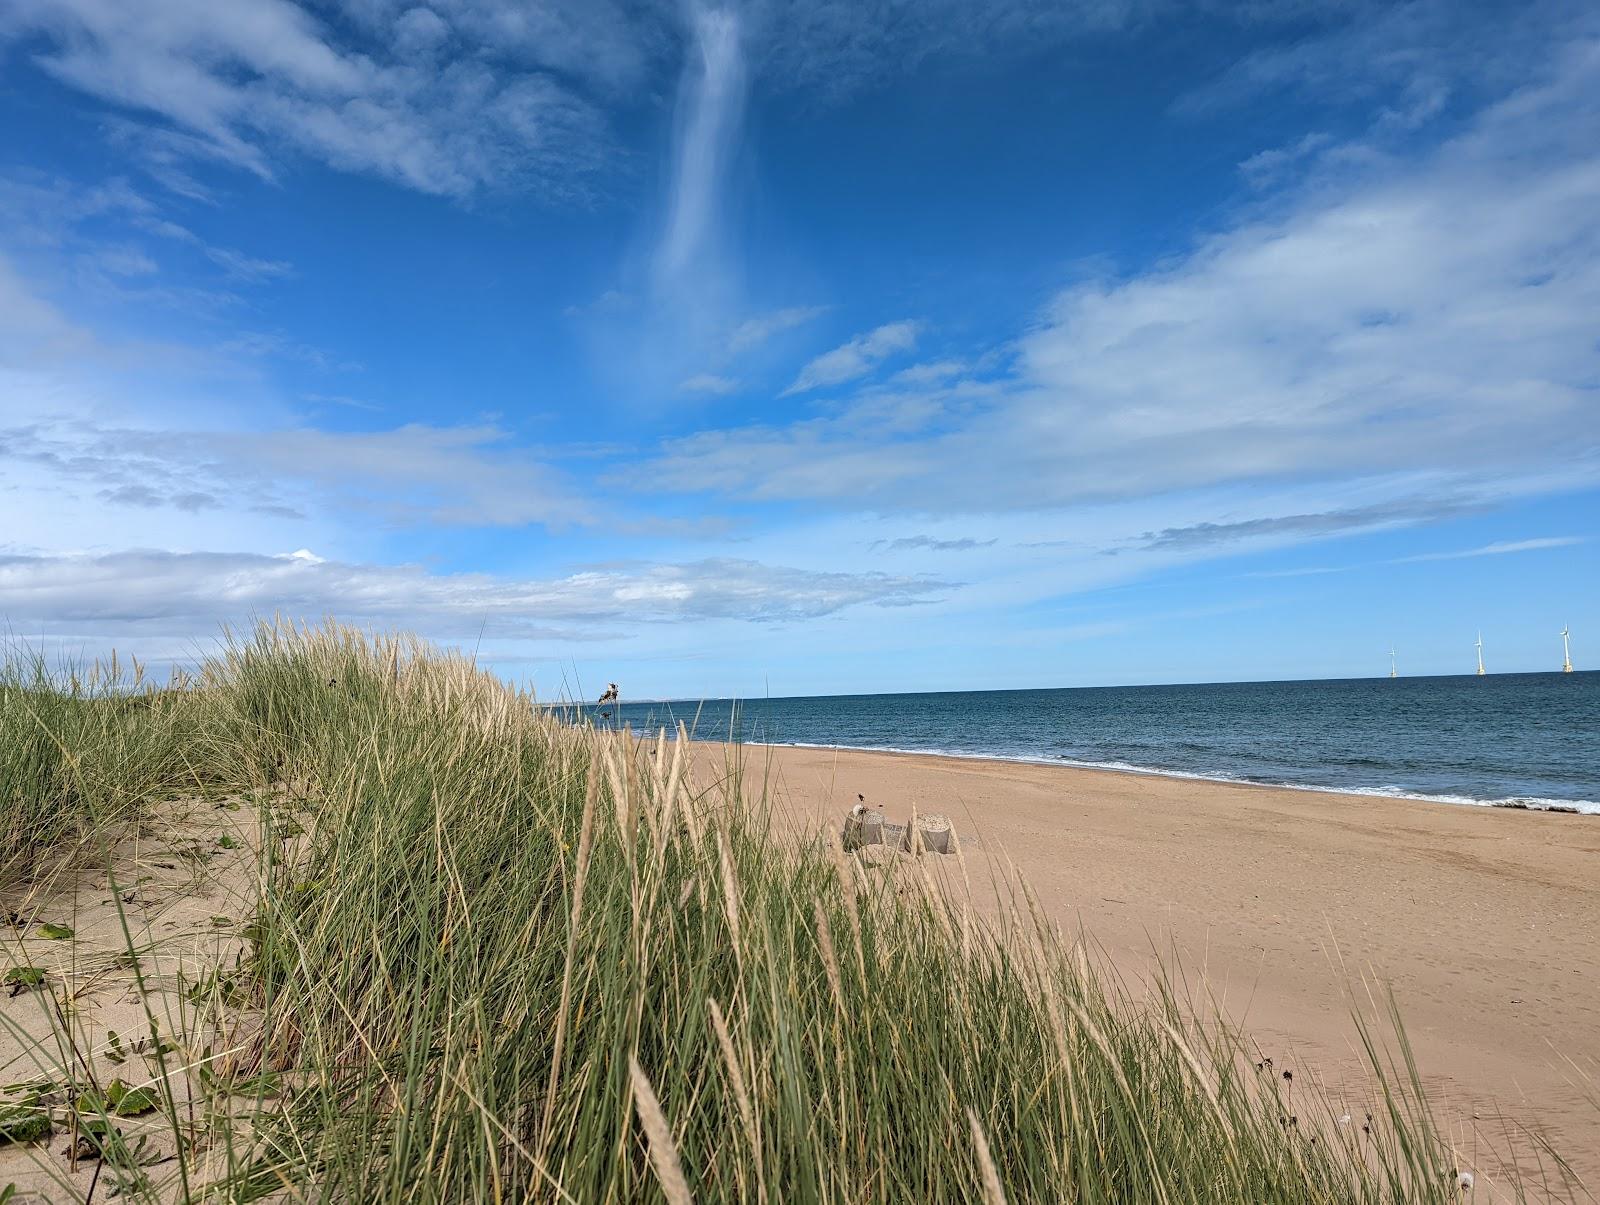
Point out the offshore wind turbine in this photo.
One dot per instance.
(1481, 670)
(1393, 672)
(1566, 651)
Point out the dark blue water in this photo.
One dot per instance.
(1508, 739)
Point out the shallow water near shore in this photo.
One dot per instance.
(1507, 740)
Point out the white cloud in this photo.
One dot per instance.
(932, 544)
(191, 594)
(935, 372)
(1402, 62)
(1503, 548)
(242, 80)
(753, 332)
(710, 111)
(339, 399)
(611, 45)
(124, 261)
(245, 267)
(419, 33)
(406, 475)
(1425, 315)
(705, 382)
(612, 301)
(837, 48)
(1271, 166)
(856, 358)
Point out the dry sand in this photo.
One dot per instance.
(186, 886)
(1294, 908)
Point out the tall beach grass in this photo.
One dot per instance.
(83, 751)
(510, 959)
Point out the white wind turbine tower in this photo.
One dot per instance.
(1566, 651)
(1393, 671)
(1481, 670)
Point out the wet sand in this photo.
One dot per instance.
(1293, 908)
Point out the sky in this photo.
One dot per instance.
(803, 347)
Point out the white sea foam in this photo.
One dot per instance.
(1532, 803)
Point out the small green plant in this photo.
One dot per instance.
(262, 1084)
(119, 1100)
(226, 987)
(20, 1123)
(55, 932)
(21, 979)
(24, 1113)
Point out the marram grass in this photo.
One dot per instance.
(80, 754)
(515, 960)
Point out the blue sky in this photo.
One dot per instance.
(795, 347)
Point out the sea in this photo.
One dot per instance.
(1502, 740)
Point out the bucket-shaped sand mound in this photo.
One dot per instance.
(932, 833)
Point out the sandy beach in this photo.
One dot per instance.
(1294, 908)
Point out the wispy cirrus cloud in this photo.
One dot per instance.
(245, 82)
(1401, 62)
(1500, 548)
(116, 244)
(747, 337)
(240, 266)
(708, 383)
(710, 111)
(857, 358)
(753, 332)
(838, 48)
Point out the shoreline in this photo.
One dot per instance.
(1294, 909)
(1510, 803)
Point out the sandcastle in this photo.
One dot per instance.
(928, 832)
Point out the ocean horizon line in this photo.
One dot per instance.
(641, 700)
